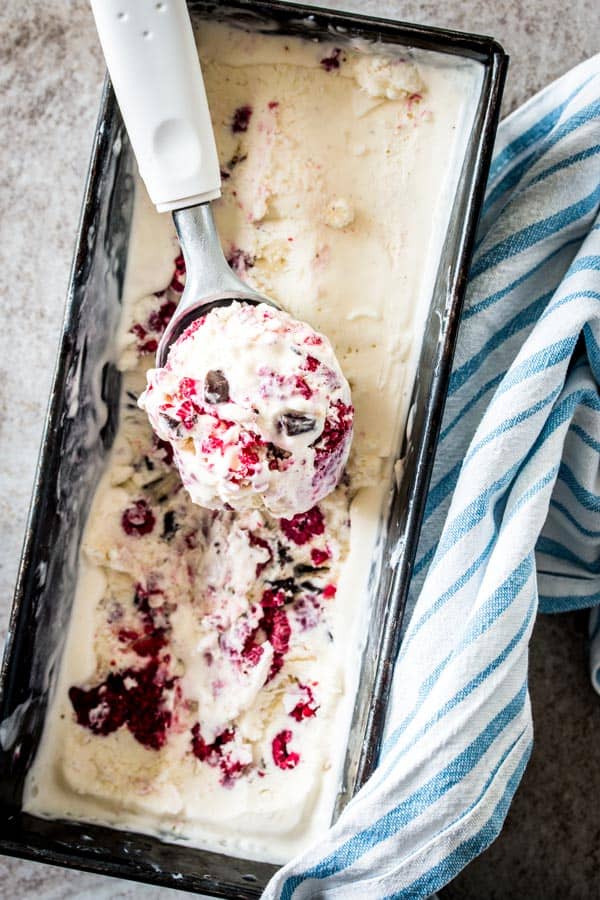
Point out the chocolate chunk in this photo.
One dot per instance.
(296, 423)
(236, 159)
(283, 554)
(287, 585)
(174, 424)
(303, 569)
(216, 387)
(169, 525)
(275, 452)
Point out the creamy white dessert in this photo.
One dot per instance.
(209, 673)
(256, 409)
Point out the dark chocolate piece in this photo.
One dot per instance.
(294, 423)
(216, 387)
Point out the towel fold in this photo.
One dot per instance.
(512, 523)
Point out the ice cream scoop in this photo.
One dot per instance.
(274, 446)
(256, 409)
(210, 282)
(153, 64)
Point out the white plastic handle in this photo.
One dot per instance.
(153, 64)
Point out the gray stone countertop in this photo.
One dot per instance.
(50, 77)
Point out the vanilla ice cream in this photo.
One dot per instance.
(208, 678)
(256, 409)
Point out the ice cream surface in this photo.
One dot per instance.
(256, 409)
(208, 678)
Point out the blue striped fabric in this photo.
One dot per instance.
(512, 523)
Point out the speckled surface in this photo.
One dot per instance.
(50, 81)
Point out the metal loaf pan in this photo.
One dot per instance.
(71, 463)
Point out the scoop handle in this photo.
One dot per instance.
(153, 64)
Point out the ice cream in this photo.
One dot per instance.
(208, 679)
(256, 409)
(202, 680)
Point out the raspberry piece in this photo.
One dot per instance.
(303, 526)
(302, 387)
(252, 652)
(319, 557)
(139, 331)
(210, 752)
(272, 599)
(330, 445)
(307, 612)
(282, 757)
(212, 443)
(154, 636)
(332, 62)
(138, 519)
(187, 412)
(160, 318)
(165, 449)
(248, 457)
(336, 427)
(329, 591)
(214, 755)
(276, 626)
(150, 644)
(187, 388)
(176, 284)
(200, 748)
(276, 666)
(134, 697)
(192, 329)
(302, 711)
(241, 119)
(127, 634)
(256, 541)
(231, 769)
(305, 709)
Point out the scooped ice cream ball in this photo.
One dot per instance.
(256, 408)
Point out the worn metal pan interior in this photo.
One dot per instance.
(71, 462)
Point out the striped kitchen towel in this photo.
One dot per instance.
(512, 520)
